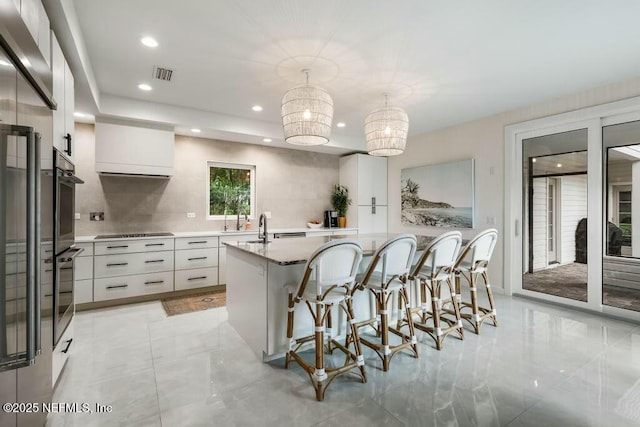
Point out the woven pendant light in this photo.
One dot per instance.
(307, 113)
(385, 130)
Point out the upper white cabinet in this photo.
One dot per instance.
(366, 179)
(37, 22)
(63, 94)
(131, 150)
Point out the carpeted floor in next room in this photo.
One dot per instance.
(570, 281)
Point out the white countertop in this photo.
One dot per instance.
(297, 251)
(179, 234)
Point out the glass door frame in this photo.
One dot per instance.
(593, 119)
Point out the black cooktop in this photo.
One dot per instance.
(132, 235)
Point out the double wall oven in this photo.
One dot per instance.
(64, 184)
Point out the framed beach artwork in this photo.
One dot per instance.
(440, 195)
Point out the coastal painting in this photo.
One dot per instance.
(438, 195)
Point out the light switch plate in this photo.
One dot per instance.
(191, 214)
(77, 216)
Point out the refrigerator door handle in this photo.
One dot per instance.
(33, 250)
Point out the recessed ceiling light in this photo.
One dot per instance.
(5, 63)
(267, 140)
(559, 165)
(144, 86)
(533, 160)
(149, 42)
(340, 124)
(80, 115)
(195, 130)
(256, 108)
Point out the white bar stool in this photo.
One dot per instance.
(328, 281)
(434, 268)
(388, 274)
(473, 262)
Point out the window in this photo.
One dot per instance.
(622, 195)
(231, 190)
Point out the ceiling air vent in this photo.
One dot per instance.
(161, 73)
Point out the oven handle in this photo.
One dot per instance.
(70, 177)
(69, 254)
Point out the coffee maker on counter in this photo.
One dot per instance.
(331, 219)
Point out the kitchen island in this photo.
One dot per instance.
(257, 300)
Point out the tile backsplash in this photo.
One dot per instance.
(295, 186)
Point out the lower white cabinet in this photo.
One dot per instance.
(196, 278)
(61, 352)
(196, 264)
(83, 276)
(109, 288)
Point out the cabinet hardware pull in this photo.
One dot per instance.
(154, 244)
(199, 242)
(117, 247)
(373, 209)
(154, 260)
(46, 295)
(117, 264)
(66, 349)
(197, 278)
(49, 270)
(66, 292)
(196, 258)
(117, 286)
(153, 282)
(66, 268)
(373, 201)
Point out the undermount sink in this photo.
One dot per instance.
(257, 241)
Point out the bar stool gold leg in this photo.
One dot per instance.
(492, 306)
(456, 309)
(412, 330)
(289, 330)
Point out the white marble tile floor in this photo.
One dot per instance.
(544, 365)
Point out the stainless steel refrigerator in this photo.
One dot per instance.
(26, 245)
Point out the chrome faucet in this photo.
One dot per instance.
(262, 235)
(238, 221)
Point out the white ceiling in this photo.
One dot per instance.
(444, 62)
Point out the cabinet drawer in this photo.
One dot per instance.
(196, 278)
(88, 249)
(61, 352)
(196, 258)
(196, 242)
(83, 268)
(131, 246)
(138, 263)
(131, 286)
(83, 291)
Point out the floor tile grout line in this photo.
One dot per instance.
(153, 366)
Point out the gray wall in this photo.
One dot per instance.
(294, 185)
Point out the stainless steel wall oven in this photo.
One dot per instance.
(64, 184)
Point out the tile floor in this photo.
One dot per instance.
(544, 365)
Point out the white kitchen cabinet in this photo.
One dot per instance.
(222, 253)
(131, 286)
(44, 33)
(369, 222)
(133, 246)
(196, 278)
(196, 264)
(83, 274)
(128, 268)
(30, 14)
(132, 150)
(61, 352)
(63, 94)
(366, 179)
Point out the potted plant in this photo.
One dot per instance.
(340, 200)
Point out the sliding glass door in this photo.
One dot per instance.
(621, 259)
(554, 201)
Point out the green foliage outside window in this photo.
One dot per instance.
(229, 191)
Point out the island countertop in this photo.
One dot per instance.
(297, 251)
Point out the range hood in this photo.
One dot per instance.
(134, 151)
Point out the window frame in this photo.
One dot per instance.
(252, 188)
